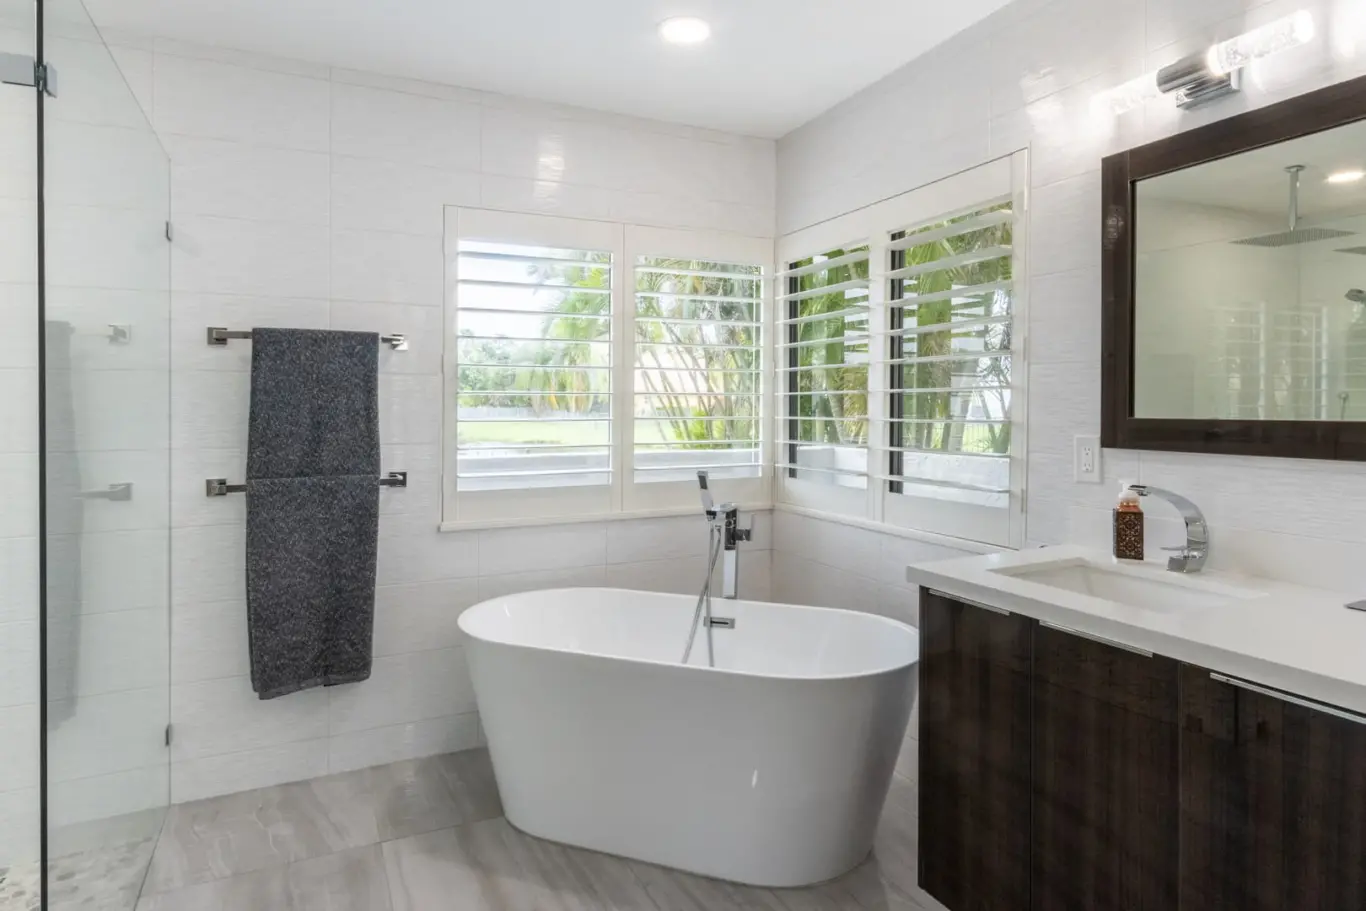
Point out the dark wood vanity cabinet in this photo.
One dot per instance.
(1061, 773)
(1273, 801)
(1105, 776)
(974, 756)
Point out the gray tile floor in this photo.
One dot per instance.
(429, 834)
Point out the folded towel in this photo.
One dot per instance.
(312, 508)
(311, 549)
(314, 404)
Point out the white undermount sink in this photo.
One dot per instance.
(1136, 586)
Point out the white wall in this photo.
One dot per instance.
(310, 197)
(1026, 77)
(826, 563)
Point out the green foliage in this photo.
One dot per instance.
(954, 387)
(697, 344)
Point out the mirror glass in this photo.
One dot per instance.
(1250, 285)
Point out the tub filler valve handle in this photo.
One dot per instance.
(726, 535)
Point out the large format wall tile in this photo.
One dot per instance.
(314, 198)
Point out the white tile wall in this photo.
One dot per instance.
(824, 563)
(314, 198)
(1044, 59)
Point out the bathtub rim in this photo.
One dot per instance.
(728, 672)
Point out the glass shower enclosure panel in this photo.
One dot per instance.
(20, 690)
(106, 374)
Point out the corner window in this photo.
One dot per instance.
(902, 357)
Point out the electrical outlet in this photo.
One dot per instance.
(1086, 461)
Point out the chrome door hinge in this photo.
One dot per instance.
(17, 69)
(45, 79)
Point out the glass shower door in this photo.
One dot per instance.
(20, 694)
(106, 388)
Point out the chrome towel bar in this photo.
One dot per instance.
(219, 487)
(218, 338)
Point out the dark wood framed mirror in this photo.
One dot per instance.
(1233, 269)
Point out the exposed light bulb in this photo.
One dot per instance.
(1132, 94)
(684, 30)
(1281, 35)
(1347, 177)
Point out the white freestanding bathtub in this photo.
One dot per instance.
(769, 770)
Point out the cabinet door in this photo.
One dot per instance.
(974, 756)
(1273, 801)
(1105, 777)
(1232, 799)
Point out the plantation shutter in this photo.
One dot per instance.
(951, 352)
(823, 334)
(698, 360)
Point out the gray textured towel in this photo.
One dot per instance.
(312, 508)
(314, 404)
(310, 581)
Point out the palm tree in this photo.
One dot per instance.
(831, 400)
(697, 322)
(578, 320)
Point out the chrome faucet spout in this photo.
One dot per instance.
(1190, 558)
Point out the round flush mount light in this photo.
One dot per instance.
(684, 30)
(1347, 177)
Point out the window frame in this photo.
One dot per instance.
(877, 226)
(623, 497)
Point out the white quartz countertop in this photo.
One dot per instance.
(1297, 639)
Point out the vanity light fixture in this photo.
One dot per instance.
(1347, 177)
(1212, 73)
(684, 30)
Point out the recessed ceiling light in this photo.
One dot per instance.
(1347, 176)
(684, 30)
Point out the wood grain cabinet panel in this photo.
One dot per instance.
(1105, 777)
(1273, 802)
(974, 850)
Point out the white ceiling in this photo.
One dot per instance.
(770, 65)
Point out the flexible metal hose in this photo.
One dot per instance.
(704, 600)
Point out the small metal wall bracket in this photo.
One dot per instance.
(219, 487)
(18, 69)
(721, 623)
(117, 493)
(120, 334)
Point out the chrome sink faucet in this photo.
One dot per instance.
(1190, 558)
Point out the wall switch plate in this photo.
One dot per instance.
(1086, 461)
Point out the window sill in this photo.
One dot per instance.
(896, 531)
(590, 519)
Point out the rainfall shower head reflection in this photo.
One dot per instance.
(1297, 234)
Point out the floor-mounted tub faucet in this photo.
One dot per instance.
(1190, 558)
(725, 525)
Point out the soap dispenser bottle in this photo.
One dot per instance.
(1128, 525)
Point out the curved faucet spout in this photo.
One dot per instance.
(1192, 557)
